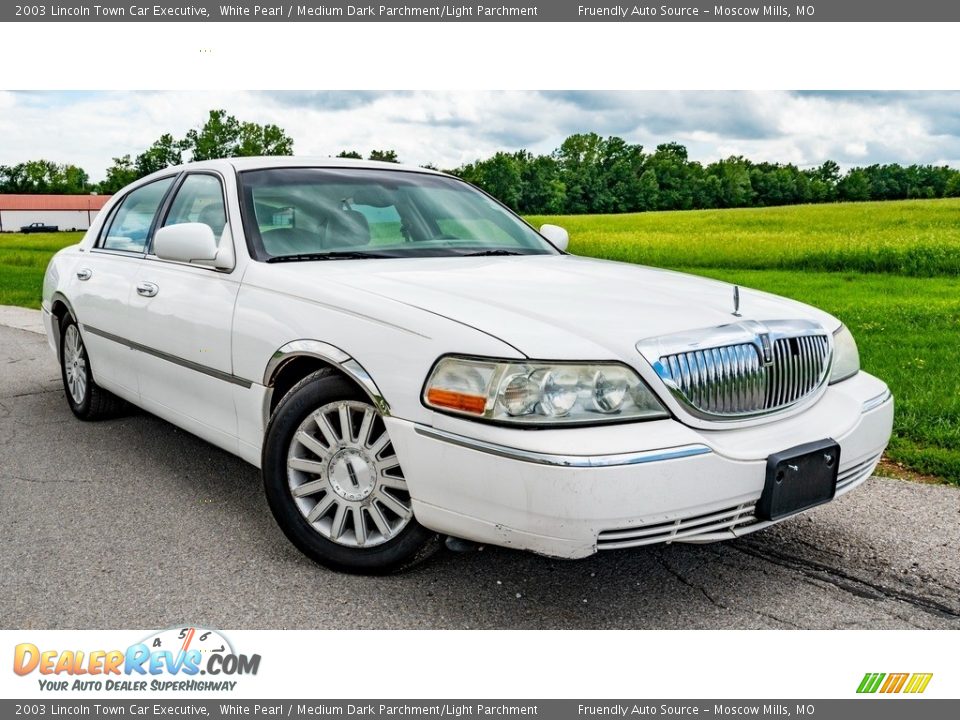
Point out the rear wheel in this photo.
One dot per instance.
(334, 483)
(87, 400)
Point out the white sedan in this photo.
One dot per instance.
(403, 357)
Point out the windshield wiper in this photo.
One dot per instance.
(479, 253)
(333, 255)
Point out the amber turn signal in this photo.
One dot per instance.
(475, 404)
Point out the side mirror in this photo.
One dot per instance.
(186, 242)
(556, 235)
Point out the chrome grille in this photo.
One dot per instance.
(727, 380)
(759, 369)
(799, 364)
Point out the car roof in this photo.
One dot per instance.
(265, 162)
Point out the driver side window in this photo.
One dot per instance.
(199, 199)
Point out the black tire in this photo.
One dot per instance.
(93, 403)
(411, 545)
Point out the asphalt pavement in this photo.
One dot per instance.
(132, 523)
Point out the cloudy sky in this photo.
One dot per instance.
(449, 128)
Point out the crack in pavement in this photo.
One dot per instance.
(716, 603)
(33, 392)
(846, 582)
(52, 481)
(712, 600)
(779, 620)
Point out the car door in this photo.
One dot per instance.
(100, 290)
(183, 316)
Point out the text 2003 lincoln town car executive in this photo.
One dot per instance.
(403, 356)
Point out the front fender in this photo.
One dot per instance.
(388, 348)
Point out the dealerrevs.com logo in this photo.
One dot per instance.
(178, 659)
(890, 683)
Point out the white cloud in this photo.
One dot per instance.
(450, 128)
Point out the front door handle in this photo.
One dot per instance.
(147, 289)
(84, 274)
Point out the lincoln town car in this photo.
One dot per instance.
(404, 359)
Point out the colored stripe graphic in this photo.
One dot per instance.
(894, 683)
(870, 682)
(918, 683)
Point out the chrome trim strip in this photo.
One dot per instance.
(332, 355)
(875, 402)
(576, 461)
(182, 362)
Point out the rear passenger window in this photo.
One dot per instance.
(199, 200)
(130, 226)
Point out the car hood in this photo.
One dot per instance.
(557, 307)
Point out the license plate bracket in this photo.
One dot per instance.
(799, 478)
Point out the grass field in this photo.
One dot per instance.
(891, 271)
(23, 258)
(919, 238)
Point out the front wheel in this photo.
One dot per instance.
(334, 483)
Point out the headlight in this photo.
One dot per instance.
(540, 393)
(846, 357)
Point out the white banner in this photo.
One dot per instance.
(450, 664)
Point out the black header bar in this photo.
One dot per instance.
(503, 11)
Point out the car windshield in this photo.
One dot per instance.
(316, 214)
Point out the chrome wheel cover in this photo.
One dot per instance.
(75, 364)
(345, 478)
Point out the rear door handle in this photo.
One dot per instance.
(84, 274)
(147, 289)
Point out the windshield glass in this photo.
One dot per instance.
(301, 213)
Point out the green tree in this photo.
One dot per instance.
(581, 173)
(503, 178)
(542, 190)
(734, 176)
(73, 180)
(649, 190)
(828, 172)
(621, 165)
(674, 174)
(222, 135)
(120, 174)
(952, 188)
(44, 177)
(389, 156)
(216, 138)
(258, 140)
(165, 152)
(855, 186)
(350, 154)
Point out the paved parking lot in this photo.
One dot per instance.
(133, 523)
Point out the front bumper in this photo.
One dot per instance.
(571, 492)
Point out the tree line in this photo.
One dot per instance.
(592, 174)
(221, 135)
(588, 173)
